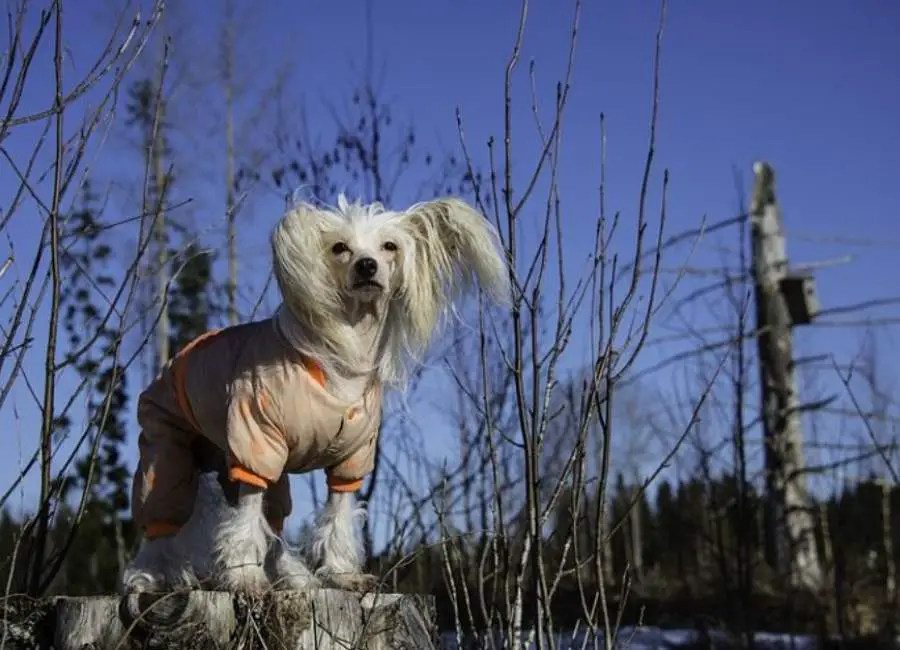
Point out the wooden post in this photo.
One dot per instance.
(782, 301)
(321, 619)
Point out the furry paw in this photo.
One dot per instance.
(139, 581)
(248, 579)
(359, 582)
(156, 568)
(296, 581)
(287, 571)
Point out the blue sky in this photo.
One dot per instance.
(812, 87)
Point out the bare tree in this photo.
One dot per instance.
(248, 101)
(47, 182)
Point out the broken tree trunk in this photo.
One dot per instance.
(322, 619)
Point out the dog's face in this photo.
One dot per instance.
(366, 258)
(409, 266)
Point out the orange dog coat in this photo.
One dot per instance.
(245, 390)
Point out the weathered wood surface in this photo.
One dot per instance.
(323, 619)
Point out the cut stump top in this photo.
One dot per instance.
(320, 619)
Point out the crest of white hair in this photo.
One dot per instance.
(446, 248)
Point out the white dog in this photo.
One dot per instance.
(363, 291)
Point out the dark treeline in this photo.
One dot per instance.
(690, 556)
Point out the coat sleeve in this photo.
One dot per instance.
(348, 475)
(257, 450)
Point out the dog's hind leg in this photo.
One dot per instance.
(150, 570)
(241, 542)
(336, 545)
(164, 490)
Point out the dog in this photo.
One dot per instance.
(363, 291)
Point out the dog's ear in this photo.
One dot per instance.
(456, 245)
(298, 262)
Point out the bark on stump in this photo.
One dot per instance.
(322, 619)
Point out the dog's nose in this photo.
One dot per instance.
(366, 267)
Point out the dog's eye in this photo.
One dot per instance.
(389, 246)
(340, 248)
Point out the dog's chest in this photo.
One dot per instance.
(320, 433)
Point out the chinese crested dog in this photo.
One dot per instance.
(237, 410)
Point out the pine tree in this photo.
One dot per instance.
(195, 300)
(146, 110)
(96, 534)
(671, 531)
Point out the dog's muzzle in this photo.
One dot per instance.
(364, 271)
(365, 268)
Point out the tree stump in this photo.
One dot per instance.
(321, 619)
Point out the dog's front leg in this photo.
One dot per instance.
(241, 542)
(286, 568)
(336, 545)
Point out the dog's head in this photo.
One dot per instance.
(409, 265)
(334, 259)
(365, 249)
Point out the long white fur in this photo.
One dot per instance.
(241, 543)
(335, 544)
(360, 336)
(286, 569)
(190, 559)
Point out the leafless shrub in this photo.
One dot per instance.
(53, 127)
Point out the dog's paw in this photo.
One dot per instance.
(250, 579)
(288, 572)
(157, 567)
(296, 581)
(358, 582)
(140, 581)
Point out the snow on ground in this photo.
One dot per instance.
(650, 638)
